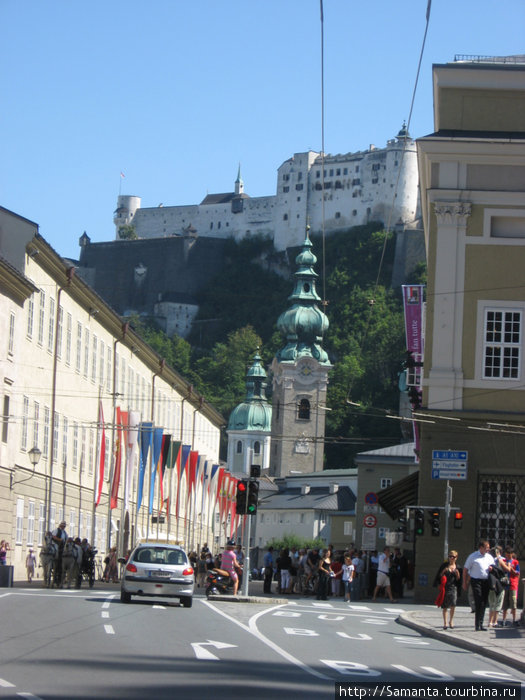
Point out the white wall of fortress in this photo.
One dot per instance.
(358, 187)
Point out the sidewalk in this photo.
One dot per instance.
(505, 644)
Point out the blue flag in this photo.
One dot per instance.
(145, 436)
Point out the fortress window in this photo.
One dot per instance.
(338, 172)
(331, 172)
(345, 171)
(211, 225)
(298, 199)
(375, 180)
(357, 168)
(299, 186)
(285, 217)
(219, 225)
(354, 212)
(396, 163)
(286, 189)
(299, 176)
(318, 186)
(328, 185)
(303, 410)
(337, 214)
(338, 185)
(318, 173)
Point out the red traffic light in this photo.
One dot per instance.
(241, 486)
(458, 520)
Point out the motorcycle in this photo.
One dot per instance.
(218, 583)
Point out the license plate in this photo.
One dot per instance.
(159, 574)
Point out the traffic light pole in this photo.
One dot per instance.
(246, 571)
(448, 501)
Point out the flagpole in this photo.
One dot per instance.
(95, 483)
(139, 437)
(112, 472)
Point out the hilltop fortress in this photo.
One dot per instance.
(356, 188)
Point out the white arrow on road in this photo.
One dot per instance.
(201, 653)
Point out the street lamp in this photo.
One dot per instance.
(34, 457)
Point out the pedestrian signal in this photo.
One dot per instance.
(419, 522)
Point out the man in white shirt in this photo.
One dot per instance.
(383, 580)
(476, 572)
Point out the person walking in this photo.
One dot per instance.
(448, 578)
(4, 548)
(30, 565)
(268, 570)
(324, 576)
(497, 575)
(383, 579)
(510, 599)
(476, 572)
(348, 575)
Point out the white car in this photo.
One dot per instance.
(158, 569)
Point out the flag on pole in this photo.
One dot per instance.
(122, 174)
(132, 446)
(163, 463)
(122, 421)
(157, 451)
(145, 437)
(101, 452)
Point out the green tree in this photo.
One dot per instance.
(127, 233)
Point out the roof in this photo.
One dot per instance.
(402, 452)
(403, 493)
(318, 498)
(222, 198)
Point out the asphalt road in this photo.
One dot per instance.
(87, 644)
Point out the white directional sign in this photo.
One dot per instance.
(449, 464)
(201, 653)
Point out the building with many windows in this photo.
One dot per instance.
(472, 175)
(69, 367)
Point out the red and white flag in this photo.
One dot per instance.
(101, 454)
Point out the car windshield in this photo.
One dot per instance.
(160, 555)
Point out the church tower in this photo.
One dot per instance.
(250, 424)
(239, 184)
(300, 377)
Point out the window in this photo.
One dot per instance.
(11, 340)
(499, 500)
(36, 422)
(41, 522)
(285, 217)
(19, 520)
(55, 436)
(31, 523)
(303, 411)
(502, 344)
(72, 523)
(69, 339)
(25, 418)
(239, 447)
(5, 419)
(75, 445)
(51, 325)
(45, 446)
(30, 316)
(41, 317)
(286, 188)
(337, 214)
(102, 355)
(86, 352)
(60, 323)
(299, 186)
(257, 448)
(52, 517)
(94, 358)
(79, 348)
(83, 449)
(385, 483)
(108, 368)
(91, 454)
(65, 428)
(347, 528)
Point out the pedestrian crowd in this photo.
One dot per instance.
(351, 574)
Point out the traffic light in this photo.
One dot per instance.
(419, 521)
(242, 492)
(458, 520)
(434, 523)
(253, 497)
(402, 524)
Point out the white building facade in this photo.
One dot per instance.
(65, 355)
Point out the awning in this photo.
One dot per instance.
(402, 493)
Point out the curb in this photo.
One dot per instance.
(249, 599)
(506, 657)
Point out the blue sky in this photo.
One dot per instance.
(175, 94)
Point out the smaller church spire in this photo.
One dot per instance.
(239, 184)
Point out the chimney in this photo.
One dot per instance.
(305, 488)
(334, 488)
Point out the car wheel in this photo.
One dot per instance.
(186, 602)
(125, 597)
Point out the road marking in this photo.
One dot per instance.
(322, 605)
(286, 613)
(158, 607)
(252, 629)
(202, 653)
(374, 621)
(429, 676)
(301, 632)
(350, 668)
(6, 684)
(364, 637)
(104, 614)
(493, 674)
(333, 617)
(107, 603)
(109, 629)
(411, 640)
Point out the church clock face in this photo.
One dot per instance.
(306, 371)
